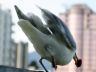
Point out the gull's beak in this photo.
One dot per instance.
(78, 62)
(20, 14)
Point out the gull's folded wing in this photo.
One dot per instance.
(34, 20)
(58, 28)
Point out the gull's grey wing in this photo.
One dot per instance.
(37, 21)
(34, 20)
(58, 28)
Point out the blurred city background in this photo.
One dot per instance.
(80, 17)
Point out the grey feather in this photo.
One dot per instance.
(34, 20)
(58, 28)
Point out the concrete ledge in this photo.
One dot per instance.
(13, 69)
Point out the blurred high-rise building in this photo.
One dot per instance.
(81, 21)
(5, 36)
(22, 55)
(11, 53)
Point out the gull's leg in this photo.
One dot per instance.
(51, 58)
(78, 62)
(48, 49)
(53, 62)
(42, 64)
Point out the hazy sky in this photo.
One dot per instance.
(55, 6)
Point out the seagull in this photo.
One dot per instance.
(53, 41)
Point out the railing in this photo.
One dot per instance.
(13, 69)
